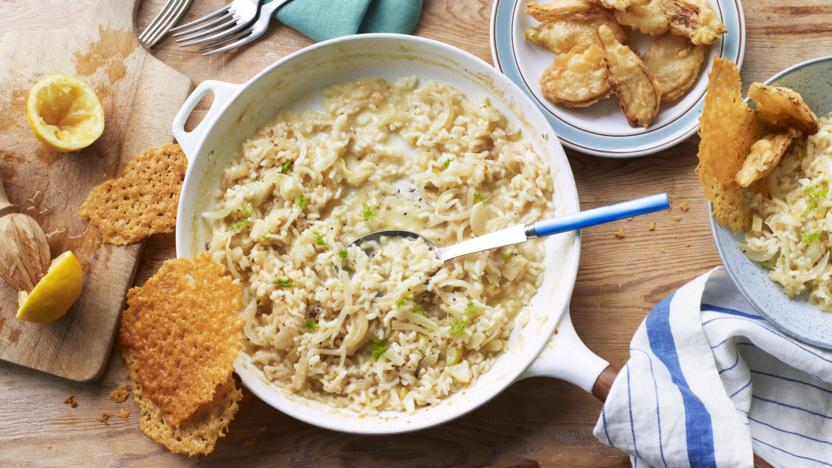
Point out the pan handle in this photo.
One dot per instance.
(601, 388)
(189, 141)
(566, 357)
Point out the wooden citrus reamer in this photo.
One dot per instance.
(24, 251)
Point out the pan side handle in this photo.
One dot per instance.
(191, 140)
(566, 357)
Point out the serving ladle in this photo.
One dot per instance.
(523, 232)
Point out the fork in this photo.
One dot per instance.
(220, 24)
(168, 16)
(254, 31)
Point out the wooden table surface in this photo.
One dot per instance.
(534, 422)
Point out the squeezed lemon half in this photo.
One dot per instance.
(55, 293)
(64, 113)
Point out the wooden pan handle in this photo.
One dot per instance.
(604, 382)
(5, 206)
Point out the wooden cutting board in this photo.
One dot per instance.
(140, 96)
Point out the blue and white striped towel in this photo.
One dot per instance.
(709, 381)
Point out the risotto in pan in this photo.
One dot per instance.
(395, 330)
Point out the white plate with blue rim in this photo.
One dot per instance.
(602, 129)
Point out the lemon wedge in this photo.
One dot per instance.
(64, 113)
(55, 293)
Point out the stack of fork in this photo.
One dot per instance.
(236, 24)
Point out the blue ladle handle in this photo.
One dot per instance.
(601, 215)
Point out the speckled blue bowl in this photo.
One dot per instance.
(796, 317)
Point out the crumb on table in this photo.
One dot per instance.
(250, 442)
(619, 234)
(651, 226)
(119, 394)
(123, 414)
(103, 418)
(677, 218)
(70, 400)
(684, 206)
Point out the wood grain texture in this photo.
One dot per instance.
(537, 422)
(140, 95)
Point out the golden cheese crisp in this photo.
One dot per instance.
(182, 332)
(141, 202)
(199, 433)
(728, 129)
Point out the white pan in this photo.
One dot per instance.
(237, 111)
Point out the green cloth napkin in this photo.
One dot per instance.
(325, 19)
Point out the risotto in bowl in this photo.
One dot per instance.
(359, 135)
(781, 262)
